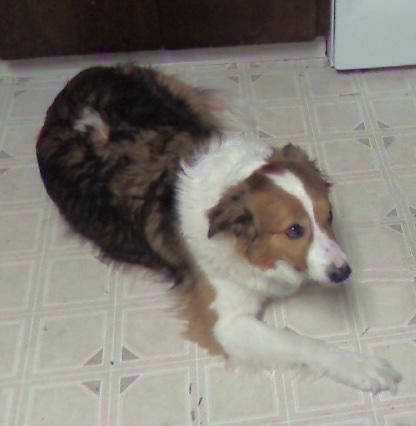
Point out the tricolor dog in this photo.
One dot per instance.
(138, 162)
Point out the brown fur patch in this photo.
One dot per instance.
(196, 297)
(257, 213)
(275, 211)
(231, 214)
(296, 161)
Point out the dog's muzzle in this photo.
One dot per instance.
(338, 274)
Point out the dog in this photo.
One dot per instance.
(141, 163)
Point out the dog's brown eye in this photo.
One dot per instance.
(295, 231)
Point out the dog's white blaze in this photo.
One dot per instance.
(323, 250)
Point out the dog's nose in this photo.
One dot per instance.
(339, 274)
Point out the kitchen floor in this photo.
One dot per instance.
(86, 343)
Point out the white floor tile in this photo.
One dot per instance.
(84, 343)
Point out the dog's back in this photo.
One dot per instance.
(109, 152)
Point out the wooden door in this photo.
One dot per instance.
(33, 28)
(204, 23)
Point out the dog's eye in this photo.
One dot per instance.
(330, 217)
(295, 231)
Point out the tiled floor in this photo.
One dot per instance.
(83, 343)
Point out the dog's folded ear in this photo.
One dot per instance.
(232, 215)
(294, 153)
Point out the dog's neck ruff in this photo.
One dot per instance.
(220, 165)
(200, 186)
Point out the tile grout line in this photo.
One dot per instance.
(106, 371)
(388, 177)
(112, 395)
(32, 343)
(382, 163)
(361, 343)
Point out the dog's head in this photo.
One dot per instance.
(282, 213)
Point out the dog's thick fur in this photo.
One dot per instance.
(113, 181)
(137, 162)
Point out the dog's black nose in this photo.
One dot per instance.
(339, 274)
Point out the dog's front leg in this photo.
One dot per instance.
(247, 339)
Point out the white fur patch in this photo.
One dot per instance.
(202, 183)
(199, 188)
(323, 251)
(91, 119)
(241, 288)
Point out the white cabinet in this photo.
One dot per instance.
(372, 33)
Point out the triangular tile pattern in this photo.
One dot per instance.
(392, 213)
(397, 228)
(382, 125)
(264, 135)
(127, 355)
(388, 141)
(96, 359)
(360, 127)
(364, 141)
(125, 382)
(93, 386)
(255, 77)
(234, 78)
(4, 154)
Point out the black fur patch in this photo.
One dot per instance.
(120, 194)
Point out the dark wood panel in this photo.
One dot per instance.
(31, 28)
(323, 17)
(202, 23)
(45, 28)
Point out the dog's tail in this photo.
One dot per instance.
(238, 113)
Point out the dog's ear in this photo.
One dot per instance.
(232, 215)
(294, 153)
(289, 152)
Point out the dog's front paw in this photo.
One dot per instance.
(366, 373)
